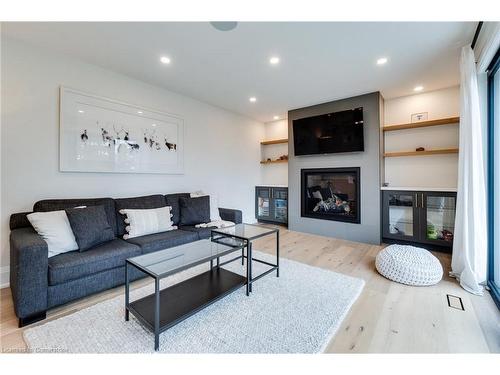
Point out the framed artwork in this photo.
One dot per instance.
(103, 135)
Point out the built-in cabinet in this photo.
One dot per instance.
(425, 217)
(271, 204)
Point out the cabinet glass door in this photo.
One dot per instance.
(280, 203)
(400, 219)
(263, 203)
(439, 217)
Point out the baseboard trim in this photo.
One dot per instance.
(4, 277)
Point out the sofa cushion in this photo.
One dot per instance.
(76, 264)
(163, 240)
(90, 226)
(145, 202)
(195, 210)
(173, 201)
(63, 204)
(202, 233)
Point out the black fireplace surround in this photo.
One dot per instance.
(331, 194)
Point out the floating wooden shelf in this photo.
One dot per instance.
(421, 153)
(422, 124)
(274, 142)
(273, 161)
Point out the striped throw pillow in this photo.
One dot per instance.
(147, 221)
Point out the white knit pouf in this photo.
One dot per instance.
(409, 265)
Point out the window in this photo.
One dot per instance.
(494, 177)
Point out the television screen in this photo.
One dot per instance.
(330, 133)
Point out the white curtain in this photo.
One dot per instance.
(469, 259)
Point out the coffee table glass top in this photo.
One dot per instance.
(245, 231)
(169, 261)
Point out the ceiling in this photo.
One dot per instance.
(319, 62)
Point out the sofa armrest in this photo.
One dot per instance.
(228, 214)
(28, 272)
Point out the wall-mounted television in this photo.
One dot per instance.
(329, 133)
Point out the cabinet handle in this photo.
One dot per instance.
(416, 200)
(422, 195)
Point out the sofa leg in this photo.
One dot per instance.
(32, 319)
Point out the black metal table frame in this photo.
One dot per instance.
(245, 243)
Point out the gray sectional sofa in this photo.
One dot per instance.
(39, 283)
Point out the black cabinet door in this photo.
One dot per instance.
(263, 204)
(280, 205)
(438, 218)
(400, 215)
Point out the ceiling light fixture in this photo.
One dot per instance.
(382, 61)
(139, 112)
(276, 118)
(224, 26)
(275, 60)
(418, 88)
(252, 99)
(165, 60)
(81, 111)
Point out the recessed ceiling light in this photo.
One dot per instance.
(153, 125)
(139, 112)
(418, 88)
(253, 99)
(382, 61)
(165, 60)
(275, 60)
(81, 111)
(276, 118)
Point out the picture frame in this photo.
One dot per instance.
(98, 134)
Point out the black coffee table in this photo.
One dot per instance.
(247, 233)
(167, 307)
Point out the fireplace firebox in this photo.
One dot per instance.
(331, 194)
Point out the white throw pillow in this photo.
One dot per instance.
(147, 221)
(55, 229)
(214, 204)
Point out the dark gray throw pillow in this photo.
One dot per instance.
(90, 226)
(194, 210)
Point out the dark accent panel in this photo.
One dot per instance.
(32, 319)
(90, 226)
(19, 220)
(228, 214)
(75, 264)
(188, 297)
(195, 210)
(75, 289)
(173, 201)
(63, 204)
(28, 272)
(163, 240)
(137, 203)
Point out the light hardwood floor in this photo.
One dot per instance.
(387, 318)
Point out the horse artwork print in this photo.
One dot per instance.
(103, 135)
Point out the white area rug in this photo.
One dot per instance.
(299, 312)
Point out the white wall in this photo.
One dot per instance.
(214, 139)
(275, 174)
(422, 171)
